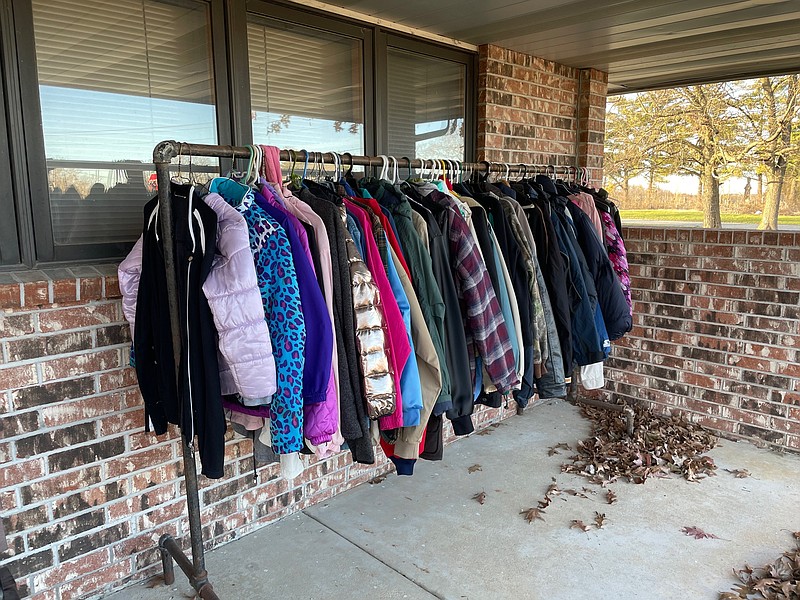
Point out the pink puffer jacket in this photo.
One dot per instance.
(247, 366)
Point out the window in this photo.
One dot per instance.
(306, 87)
(114, 79)
(426, 106)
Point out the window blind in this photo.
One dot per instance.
(130, 47)
(115, 78)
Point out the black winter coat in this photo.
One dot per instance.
(195, 403)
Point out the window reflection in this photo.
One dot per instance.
(126, 76)
(306, 87)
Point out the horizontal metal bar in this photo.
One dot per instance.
(169, 149)
(128, 165)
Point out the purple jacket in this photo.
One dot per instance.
(246, 363)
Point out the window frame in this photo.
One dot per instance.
(45, 249)
(12, 151)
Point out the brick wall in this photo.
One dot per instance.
(716, 330)
(84, 492)
(536, 111)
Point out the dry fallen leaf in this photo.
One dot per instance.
(480, 497)
(545, 503)
(698, 533)
(739, 473)
(555, 449)
(577, 524)
(611, 497)
(779, 580)
(600, 519)
(659, 447)
(376, 480)
(474, 468)
(552, 489)
(531, 514)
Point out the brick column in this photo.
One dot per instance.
(529, 111)
(593, 90)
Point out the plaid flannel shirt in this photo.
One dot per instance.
(484, 324)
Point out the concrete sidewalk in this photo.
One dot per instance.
(425, 537)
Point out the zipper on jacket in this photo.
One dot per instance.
(188, 331)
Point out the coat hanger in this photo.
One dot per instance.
(349, 173)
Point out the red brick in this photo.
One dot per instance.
(85, 409)
(112, 287)
(130, 420)
(154, 476)
(14, 325)
(131, 462)
(59, 484)
(95, 582)
(10, 296)
(21, 472)
(13, 378)
(8, 501)
(120, 378)
(65, 290)
(80, 364)
(78, 317)
(163, 514)
(72, 569)
(36, 293)
(91, 288)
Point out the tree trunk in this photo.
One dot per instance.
(747, 189)
(772, 205)
(760, 187)
(710, 199)
(625, 189)
(651, 176)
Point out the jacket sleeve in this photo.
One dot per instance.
(129, 272)
(235, 300)
(371, 337)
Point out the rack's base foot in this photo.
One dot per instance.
(171, 553)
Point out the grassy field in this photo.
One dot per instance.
(697, 216)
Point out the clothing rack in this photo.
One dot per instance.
(163, 154)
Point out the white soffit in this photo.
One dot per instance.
(642, 44)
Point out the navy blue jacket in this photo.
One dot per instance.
(616, 313)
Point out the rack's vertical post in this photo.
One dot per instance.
(195, 571)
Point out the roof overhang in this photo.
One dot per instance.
(641, 44)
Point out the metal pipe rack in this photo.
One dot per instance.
(163, 154)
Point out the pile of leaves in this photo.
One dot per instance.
(779, 580)
(659, 447)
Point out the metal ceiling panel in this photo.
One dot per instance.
(642, 44)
